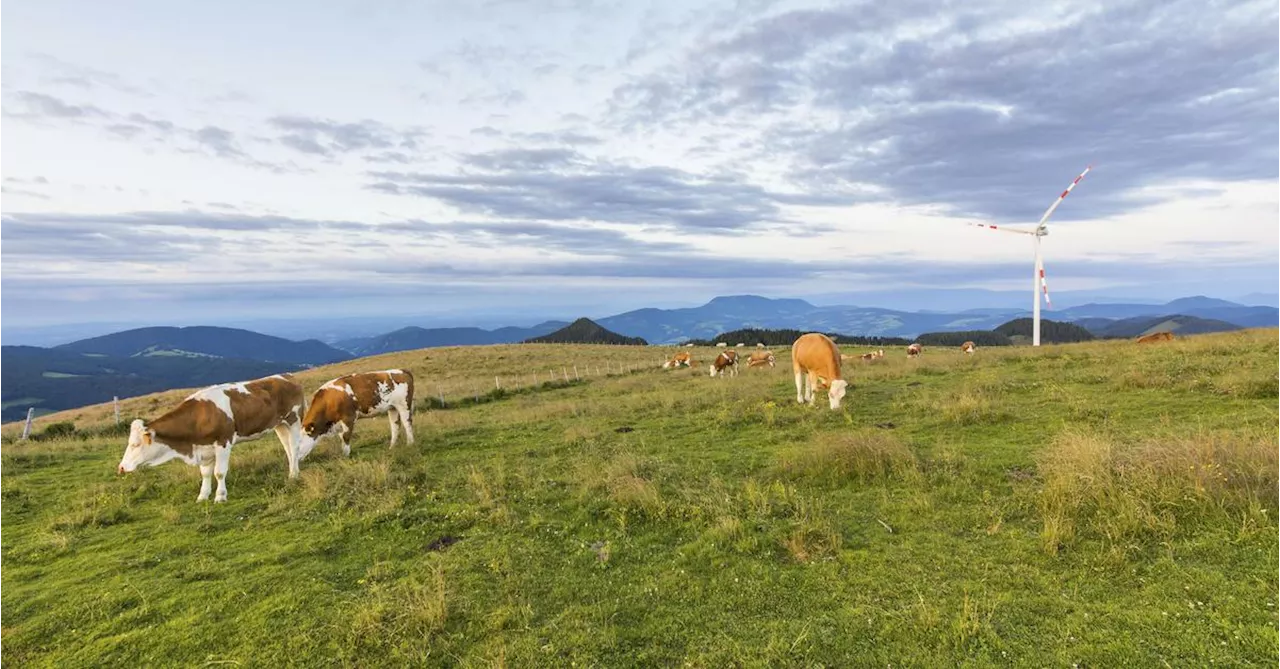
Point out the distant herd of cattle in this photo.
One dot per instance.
(202, 429)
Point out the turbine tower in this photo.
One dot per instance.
(1038, 283)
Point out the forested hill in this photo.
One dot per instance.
(207, 341)
(585, 331)
(52, 379)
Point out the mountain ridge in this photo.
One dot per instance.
(207, 340)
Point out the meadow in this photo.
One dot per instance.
(1097, 504)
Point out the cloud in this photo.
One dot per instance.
(399, 157)
(522, 159)
(218, 140)
(27, 187)
(328, 138)
(41, 106)
(505, 97)
(180, 236)
(564, 185)
(987, 109)
(57, 72)
(558, 137)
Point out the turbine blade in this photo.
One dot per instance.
(1044, 286)
(1052, 207)
(1000, 229)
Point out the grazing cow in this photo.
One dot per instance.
(726, 361)
(913, 350)
(202, 429)
(688, 345)
(761, 359)
(816, 357)
(681, 359)
(722, 344)
(968, 347)
(1155, 337)
(338, 403)
(741, 345)
(760, 344)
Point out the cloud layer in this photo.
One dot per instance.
(978, 108)
(733, 146)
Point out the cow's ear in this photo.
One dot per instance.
(146, 437)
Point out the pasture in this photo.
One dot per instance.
(1100, 504)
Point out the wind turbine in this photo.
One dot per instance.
(1038, 283)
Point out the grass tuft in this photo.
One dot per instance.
(865, 455)
(1118, 491)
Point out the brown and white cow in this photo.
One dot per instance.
(681, 359)
(202, 429)
(913, 350)
(338, 403)
(968, 347)
(727, 361)
(761, 358)
(1155, 337)
(815, 356)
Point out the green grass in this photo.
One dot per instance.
(1100, 504)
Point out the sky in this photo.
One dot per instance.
(183, 162)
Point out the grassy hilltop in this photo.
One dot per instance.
(1100, 504)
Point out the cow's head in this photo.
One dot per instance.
(143, 449)
(314, 426)
(836, 392)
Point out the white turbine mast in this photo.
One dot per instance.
(1039, 284)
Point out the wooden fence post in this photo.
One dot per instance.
(566, 373)
(441, 391)
(575, 373)
(26, 429)
(496, 385)
(115, 401)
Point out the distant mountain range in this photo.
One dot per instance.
(666, 326)
(410, 338)
(150, 359)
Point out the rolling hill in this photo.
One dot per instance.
(586, 331)
(209, 342)
(1099, 504)
(1183, 325)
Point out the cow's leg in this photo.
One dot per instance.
(206, 480)
(221, 460)
(799, 387)
(393, 417)
(347, 430)
(406, 421)
(285, 434)
(813, 384)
